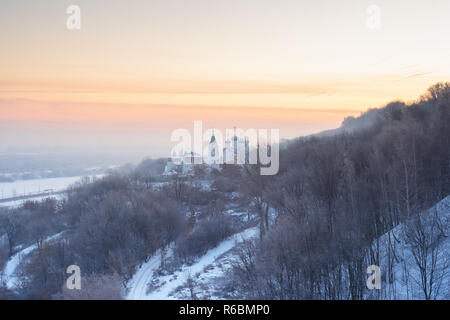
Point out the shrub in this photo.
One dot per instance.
(207, 234)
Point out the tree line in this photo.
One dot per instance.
(336, 194)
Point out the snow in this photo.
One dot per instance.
(209, 272)
(203, 184)
(15, 260)
(209, 284)
(3, 240)
(406, 279)
(138, 285)
(30, 187)
(18, 203)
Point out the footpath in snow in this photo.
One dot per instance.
(139, 283)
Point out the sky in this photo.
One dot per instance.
(137, 70)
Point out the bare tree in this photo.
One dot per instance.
(106, 287)
(254, 187)
(424, 234)
(191, 286)
(12, 225)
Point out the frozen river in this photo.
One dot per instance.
(28, 188)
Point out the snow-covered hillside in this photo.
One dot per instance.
(20, 191)
(411, 247)
(206, 277)
(14, 261)
(147, 284)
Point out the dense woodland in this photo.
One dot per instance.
(318, 217)
(336, 194)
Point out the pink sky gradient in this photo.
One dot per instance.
(137, 70)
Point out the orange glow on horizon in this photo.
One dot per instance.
(302, 66)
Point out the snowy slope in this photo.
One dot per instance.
(32, 188)
(138, 284)
(166, 285)
(17, 203)
(396, 254)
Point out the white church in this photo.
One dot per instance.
(236, 151)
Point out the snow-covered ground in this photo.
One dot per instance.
(201, 184)
(138, 284)
(15, 260)
(165, 286)
(406, 280)
(18, 203)
(33, 189)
